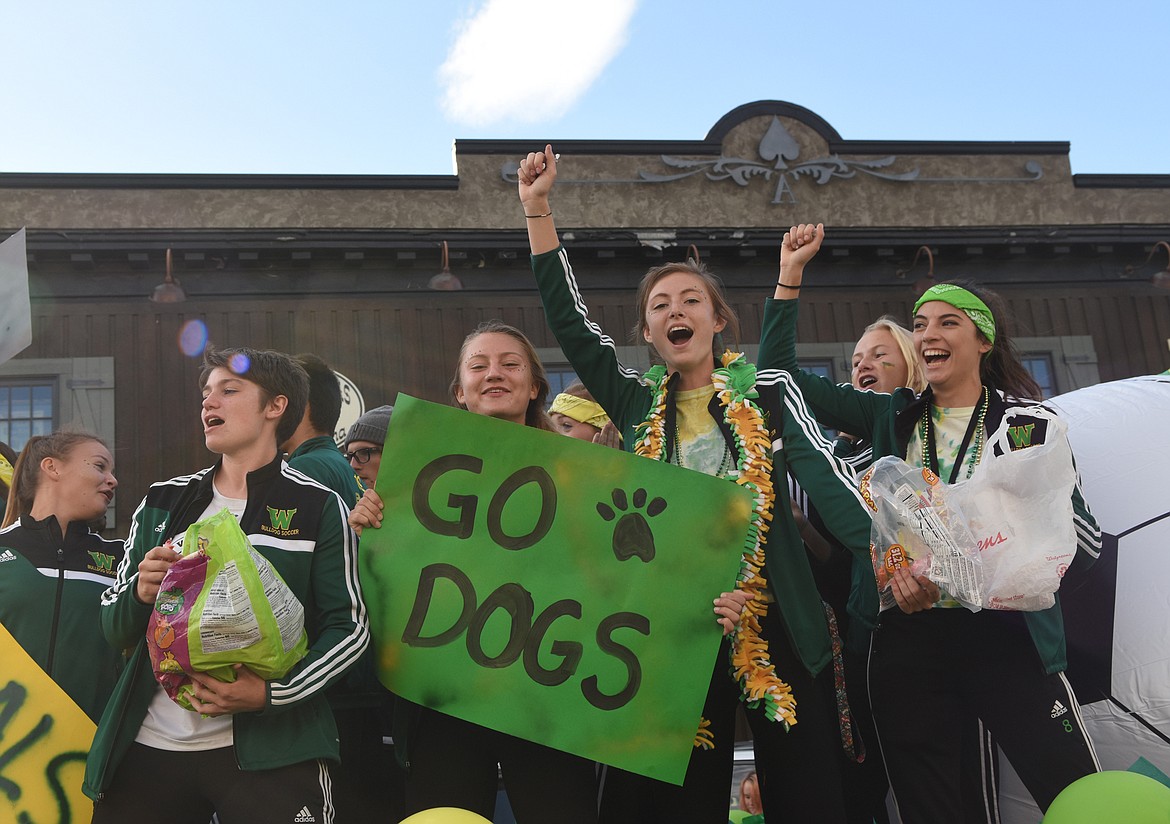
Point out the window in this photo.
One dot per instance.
(818, 366)
(39, 395)
(560, 374)
(829, 360)
(27, 408)
(559, 377)
(1040, 365)
(1059, 363)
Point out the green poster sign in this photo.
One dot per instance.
(549, 588)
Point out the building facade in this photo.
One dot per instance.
(345, 266)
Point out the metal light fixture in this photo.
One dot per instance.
(1161, 279)
(926, 281)
(445, 281)
(169, 291)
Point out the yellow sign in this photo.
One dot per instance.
(44, 738)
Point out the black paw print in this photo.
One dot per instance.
(632, 536)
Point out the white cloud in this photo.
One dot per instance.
(530, 60)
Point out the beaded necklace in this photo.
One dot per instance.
(735, 385)
(676, 457)
(975, 430)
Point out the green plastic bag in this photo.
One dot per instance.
(222, 604)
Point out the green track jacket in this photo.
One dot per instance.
(300, 527)
(321, 460)
(797, 443)
(50, 588)
(887, 422)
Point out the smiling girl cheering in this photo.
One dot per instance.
(711, 411)
(935, 666)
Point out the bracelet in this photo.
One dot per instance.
(534, 217)
(786, 286)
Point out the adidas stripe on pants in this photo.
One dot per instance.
(932, 671)
(188, 787)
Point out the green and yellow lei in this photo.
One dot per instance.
(735, 384)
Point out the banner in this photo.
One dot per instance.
(44, 738)
(15, 309)
(549, 588)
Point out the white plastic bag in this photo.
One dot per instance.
(1001, 539)
(1019, 507)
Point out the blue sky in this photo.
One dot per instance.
(255, 86)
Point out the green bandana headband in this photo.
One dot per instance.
(960, 298)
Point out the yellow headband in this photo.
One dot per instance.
(5, 471)
(580, 410)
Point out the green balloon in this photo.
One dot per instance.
(1114, 795)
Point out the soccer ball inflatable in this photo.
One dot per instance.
(1118, 620)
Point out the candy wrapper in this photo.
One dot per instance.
(917, 523)
(222, 604)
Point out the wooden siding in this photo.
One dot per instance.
(390, 343)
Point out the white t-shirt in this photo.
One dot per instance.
(168, 726)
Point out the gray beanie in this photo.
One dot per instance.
(370, 426)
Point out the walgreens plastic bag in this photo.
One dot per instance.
(1001, 539)
(1018, 505)
(221, 604)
